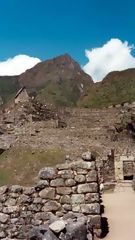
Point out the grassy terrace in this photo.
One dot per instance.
(21, 165)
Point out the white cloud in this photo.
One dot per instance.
(115, 55)
(17, 65)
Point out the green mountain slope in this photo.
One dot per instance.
(9, 85)
(116, 88)
(59, 81)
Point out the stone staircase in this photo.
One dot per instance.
(123, 186)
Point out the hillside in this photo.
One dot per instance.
(9, 85)
(60, 81)
(117, 87)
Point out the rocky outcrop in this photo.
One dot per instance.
(64, 204)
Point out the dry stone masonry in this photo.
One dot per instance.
(64, 204)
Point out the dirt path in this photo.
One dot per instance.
(120, 211)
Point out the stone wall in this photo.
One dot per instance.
(106, 170)
(68, 191)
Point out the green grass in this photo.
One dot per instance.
(21, 165)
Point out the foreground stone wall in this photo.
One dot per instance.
(68, 191)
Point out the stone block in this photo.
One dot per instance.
(76, 208)
(70, 182)
(44, 216)
(59, 182)
(93, 208)
(64, 166)
(96, 221)
(3, 189)
(83, 165)
(65, 199)
(77, 199)
(41, 185)
(24, 199)
(51, 206)
(3, 218)
(91, 176)
(88, 187)
(48, 173)
(63, 190)
(16, 189)
(57, 226)
(66, 174)
(76, 230)
(80, 178)
(87, 156)
(81, 171)
(67, 207)
(49, 235)
(11, 209)
(10, 202)
(92, 197)
(47, 193)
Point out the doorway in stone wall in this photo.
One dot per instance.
(128, 167)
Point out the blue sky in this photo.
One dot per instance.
(46, 28)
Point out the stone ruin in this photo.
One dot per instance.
(64, 204)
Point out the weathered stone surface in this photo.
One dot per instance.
(96, 221)
(49, 235)
(3, 218)
(48, 193)
(28, 190)
(87, 156)
(76, 208)
(77, 198)
(80, 178)
(89, 236)
(63, 190)
(67, 207)
(69, 215)
(48, 173)
(92, 197)
(24, 199)
(70, 182)
(10, 202)
(41, 185)
(37, 233)
(91, 176)
(81, 171)
(93, 208)
(59, 182)
(11, 209)
(3, 189)
(66, 174)
(45, 216)
(16, 189)
(76, 230)
(57, 226)
(83, 165)
(65, 199)
(51, 206)
(64, 166)
(88, 187)
(97, 232)
(2, 235)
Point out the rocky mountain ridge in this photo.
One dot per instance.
(62, 82)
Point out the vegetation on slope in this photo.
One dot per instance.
(8, 87)
(116, 88)
(21, 165)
